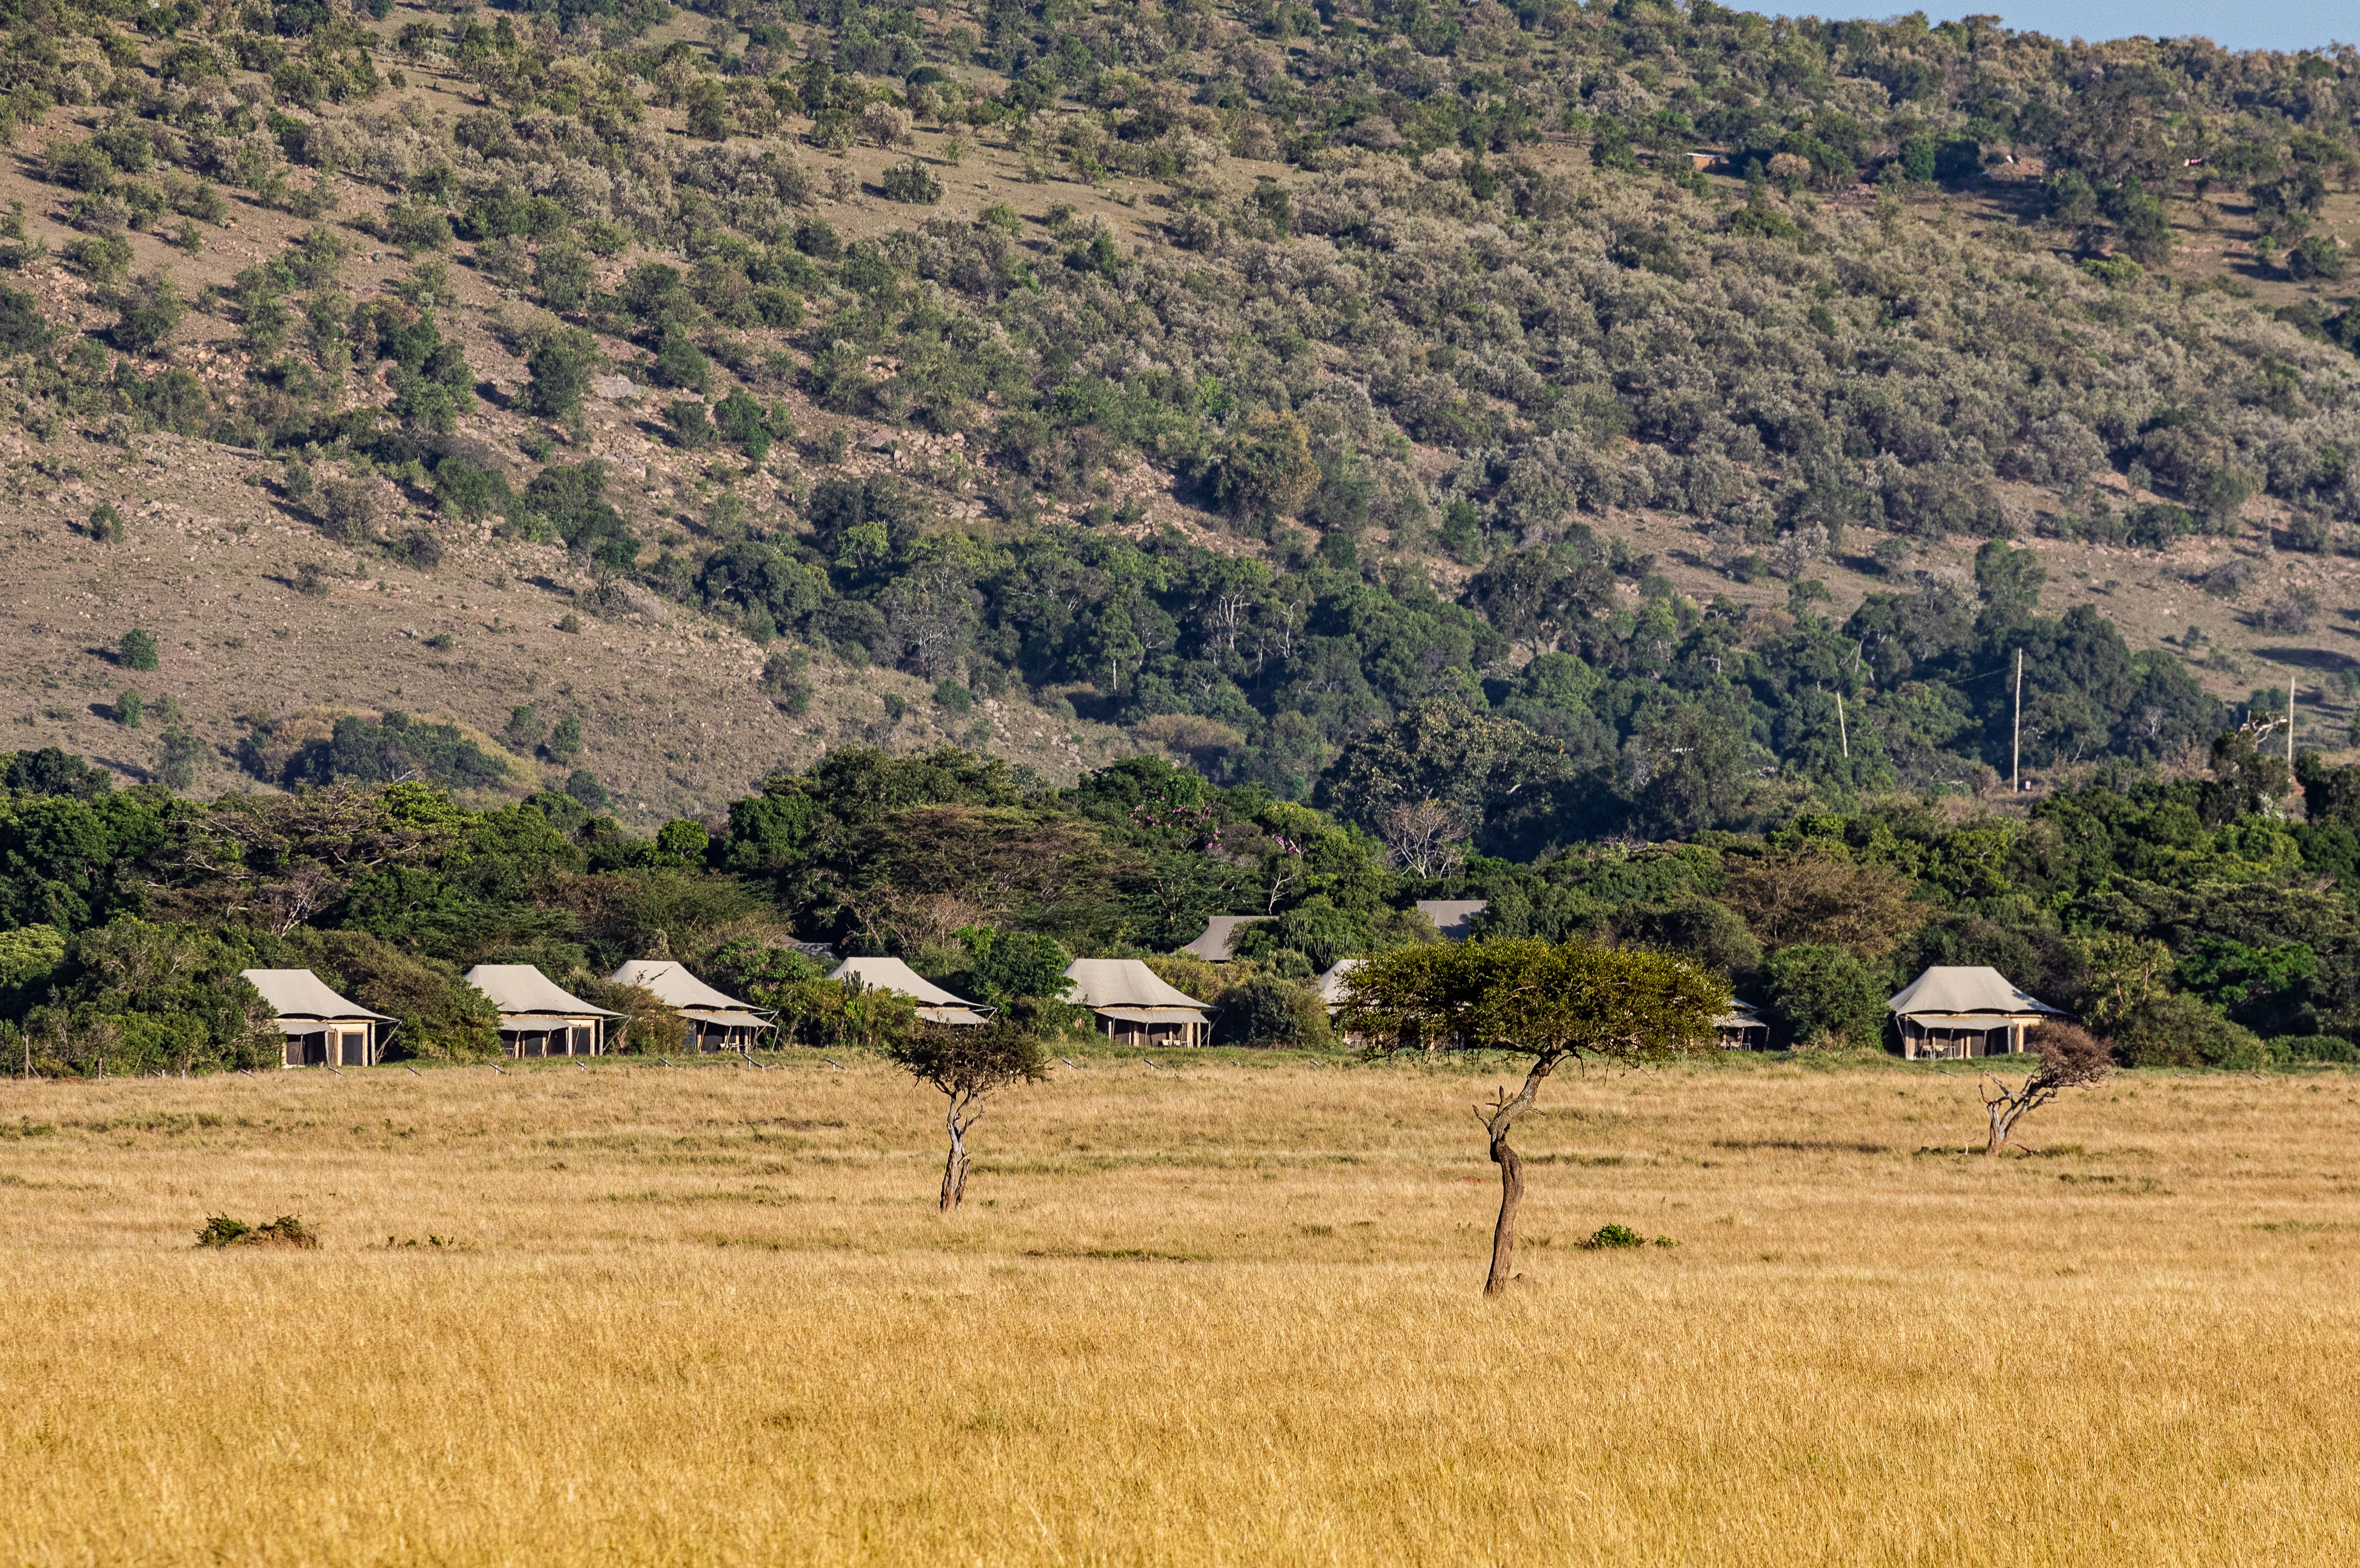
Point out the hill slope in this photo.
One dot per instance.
(1244, 380)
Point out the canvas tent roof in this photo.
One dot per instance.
(520, 988)
(892, 974)
(1219, 932)
(298, 994)
(1741, 1015)
(1109, 983)
(1333, 983)
(1966, 988)
(1450, 915)
(672, 985)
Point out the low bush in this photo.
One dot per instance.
(286, 1232)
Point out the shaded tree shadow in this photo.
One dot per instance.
(2308, 657)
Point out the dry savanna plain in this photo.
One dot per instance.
(1220, 1309)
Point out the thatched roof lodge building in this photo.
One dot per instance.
(322, 1028)
(1964, 1010)
(537, 1016)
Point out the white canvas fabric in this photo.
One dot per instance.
(1219, 932)
(1953, 989)
(1450, 915)
(671, 984)
(892, 974)
(1102, 983)
(518, 989)
(1337, 980)
(300, 994)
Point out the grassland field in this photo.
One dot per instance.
(1222, 1310)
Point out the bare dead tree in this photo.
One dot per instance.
(1423, 837)
(2070, 1057)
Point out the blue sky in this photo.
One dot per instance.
(2256, 24)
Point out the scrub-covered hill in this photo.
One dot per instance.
(1554, 421)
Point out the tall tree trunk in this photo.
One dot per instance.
(1503, 1233)
(954, 1164)
(1501, 1120)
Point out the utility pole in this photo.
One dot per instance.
(2015, 735)
(1843, 733)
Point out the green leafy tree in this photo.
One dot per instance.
(1007, 969)
(1524, 997)
(137, 650)
(969, 1065)
(559, 363)
(1265, 469)
(151, 308)
(1827, 991)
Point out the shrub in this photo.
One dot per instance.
(691, 426)
(2313, 1047)
(951, 697)
(472, 493)
(350, 509)
(564, 742)
(105, 526)
(583, 786)
(102, 258)
(2317, 256)
(2290, 613)
(562, 277)
(286, 1232)
(79, 166)
(913, 182)
(1268, 1009)
(1607, 1237)
(559, 362)
(150, 310)
(1827, 990)
(680, 364)
(744, 425)
(415, 225)
(137, 650)
(525, 730)
(2176, 1029)
(177, 757)
(312, 580)
(130, 707)
(23, 327)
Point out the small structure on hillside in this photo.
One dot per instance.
(1337, 982)
(716, 1022)
(322, 1028)
(1452, 917)
(538, 1017)
(1220, 936)
(1741, 1029)
(1135, 1005)
(935, 1005)
(1960, 1011)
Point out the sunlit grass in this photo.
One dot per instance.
(1221, 1312)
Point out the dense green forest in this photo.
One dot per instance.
(1373, 236)
(2202, 920)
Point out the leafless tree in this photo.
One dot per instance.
(2070, 1057)
(1424, 837)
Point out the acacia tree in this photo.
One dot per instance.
(1575, 1000)
(968, 1064)
(2070, 1058)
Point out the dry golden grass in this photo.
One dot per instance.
(1222, 1313)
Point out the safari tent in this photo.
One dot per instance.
(1337, 982)
(538, 1018)
(1960, 1011)
(322, 1028)
(1452, 917)
(1741, 1029)
(1220, 933)
(716, 1022)
(935, 1005)
(1135, 1005)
